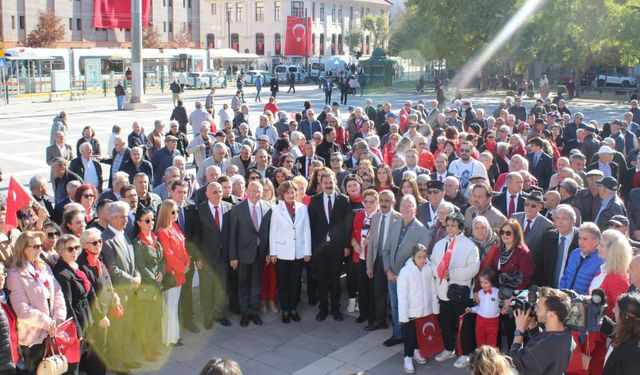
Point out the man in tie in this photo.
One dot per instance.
(306, 161)
(211, 238)
(331, 221)
(511, 200)
(247, 223)
(441, 172)
(540, 164)
(533, 224)
(119, 258)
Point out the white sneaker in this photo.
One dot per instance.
(352, 305)
(444, 355)
(461, 362)
(418, 357)
(357, 306)
(408, 365)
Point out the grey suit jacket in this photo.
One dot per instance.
(395, 254)
(534, 237)
(53, 152)
(244, 239)
(373, 251)
(119, 258)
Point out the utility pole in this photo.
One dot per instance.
(137, 97)
(306, 41)
(229, 25)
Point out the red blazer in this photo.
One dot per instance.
(356, 233)
(176, 257)
(520, 260)
(388, 153)
(13, 333)
(613, 286)
(273, 107)
(426, 160)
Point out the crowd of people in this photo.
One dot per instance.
(427, 210)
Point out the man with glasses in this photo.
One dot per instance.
(621, 224)
(465, 166)
(428, 212)
(533, 224)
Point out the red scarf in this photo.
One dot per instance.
(94, 261)
(145, 241)
(85, 280)
(356, 199)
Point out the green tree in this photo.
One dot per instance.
(378, 26)
(354, 37)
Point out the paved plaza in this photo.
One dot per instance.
(304, 348)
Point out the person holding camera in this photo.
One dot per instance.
(548, 350)
(623, 357)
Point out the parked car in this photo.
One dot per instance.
(251, 75)
(205, 80)
(613, 80)
(283, 71)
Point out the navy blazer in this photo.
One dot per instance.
(543, 170)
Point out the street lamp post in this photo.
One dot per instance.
(137, 97)
(306, 41)
(229, 26)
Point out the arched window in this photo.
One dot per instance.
(278, 41)
(260, 44)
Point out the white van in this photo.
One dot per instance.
(283, 71)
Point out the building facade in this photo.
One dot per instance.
(252, 26)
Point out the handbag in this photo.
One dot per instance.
(116, 310)
(55, 364)
(458, 293)
(168, 281)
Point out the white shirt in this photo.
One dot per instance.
(326, 204)
(515, 202)
(90, 173)
(488, 304)
(464, 171)
(564, 252)
(213, 212)
(524, 223)
(118, 233)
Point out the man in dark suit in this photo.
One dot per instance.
(411, 156)
(58, 150)
(590, 145)
(246, 222)
(304, 162)
(511, 200)
(540, 164)
(211, 239)
(119, 258)
(87, 167)
(331, 221)
(555, 247)
(533, 224)
(587, 200)
(605, 163)
(428, 211)
(634, 214)
(441, 171)
(120, 156)
(58, 210)
(610, 204)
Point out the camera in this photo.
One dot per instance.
(525, 300)
(586, 312)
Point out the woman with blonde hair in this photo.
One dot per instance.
(487, 360)
(301, 184)
(36, 298)
(176, 262)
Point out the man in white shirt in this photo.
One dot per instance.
(86, 167)
(465, 166)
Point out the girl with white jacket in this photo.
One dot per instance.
(289, 245)
(417, 297)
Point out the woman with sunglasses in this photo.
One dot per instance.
(52, 233)
(150, 262)
(87, 195)
(100, 299)
(76, 289)
(176, 260)
(36, 298)
(514, 265)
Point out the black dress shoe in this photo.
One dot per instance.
(244, 320)
(322, 315)
(285, 318)
(178, 343)
(376, 326)
(224, 321)
(337, 316)
(361, 319)
(208, 323)
(294, 316)
(191, 327)
(256, 319)
(392, 341)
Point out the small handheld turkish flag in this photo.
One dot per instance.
(429, 336)
(17, 198)
(66, 341)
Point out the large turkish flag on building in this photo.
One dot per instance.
(116, 14)
(298, 37)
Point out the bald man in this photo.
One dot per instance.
(634, 273)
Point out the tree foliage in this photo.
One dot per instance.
(182, 39)
(49, 31)
(354, 37)
(151, 38)
(378, 26)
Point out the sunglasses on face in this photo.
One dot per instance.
(37, 246)
(147, 221)
(88, 196)
(253, 178)
(71, 249)
(53, 234)
(96, 242)
(464, 150)
(433, 192)
(505, 232)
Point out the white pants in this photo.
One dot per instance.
(170, 320)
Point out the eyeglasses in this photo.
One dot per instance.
(88, 196)
(253, 178)
(37, 246)
(174, 212)
(505, 232)
(148, 221)
(53, 234)
(96, 242)
(71, 249)
(532, 205)
(432, 192)
(464, 150)
(334, 159)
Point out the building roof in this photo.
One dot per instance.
(378, 2)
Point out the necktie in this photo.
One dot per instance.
(512, 205)
(217, 216)
(536, 158)
(330, 206)
(527, 228)
(559, 261)
(439, 178)
(254, 216)
(309, 168)
(381, 234)
(181, 218)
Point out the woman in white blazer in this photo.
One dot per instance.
(417, 298)
(289, 245)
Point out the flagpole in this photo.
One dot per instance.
(306, 40)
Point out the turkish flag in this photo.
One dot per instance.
(17, 198)
(429, 336)
(446, 259)
(576, 365)
(298, 37)
(116, 14)
(66, 341)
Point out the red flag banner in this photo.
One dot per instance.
(429, 336)
(116, 14)
(66, 341)
(17, 198)
(298, 37)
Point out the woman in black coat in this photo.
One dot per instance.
(100, 299)
(76, 288)
(625, 357)
(180, 114)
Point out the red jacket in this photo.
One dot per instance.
(176, 257)
(613, 286)
(356, 234)
(520, 260)
(13, 333)
(426, 160)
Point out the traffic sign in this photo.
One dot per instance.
(1, 48)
